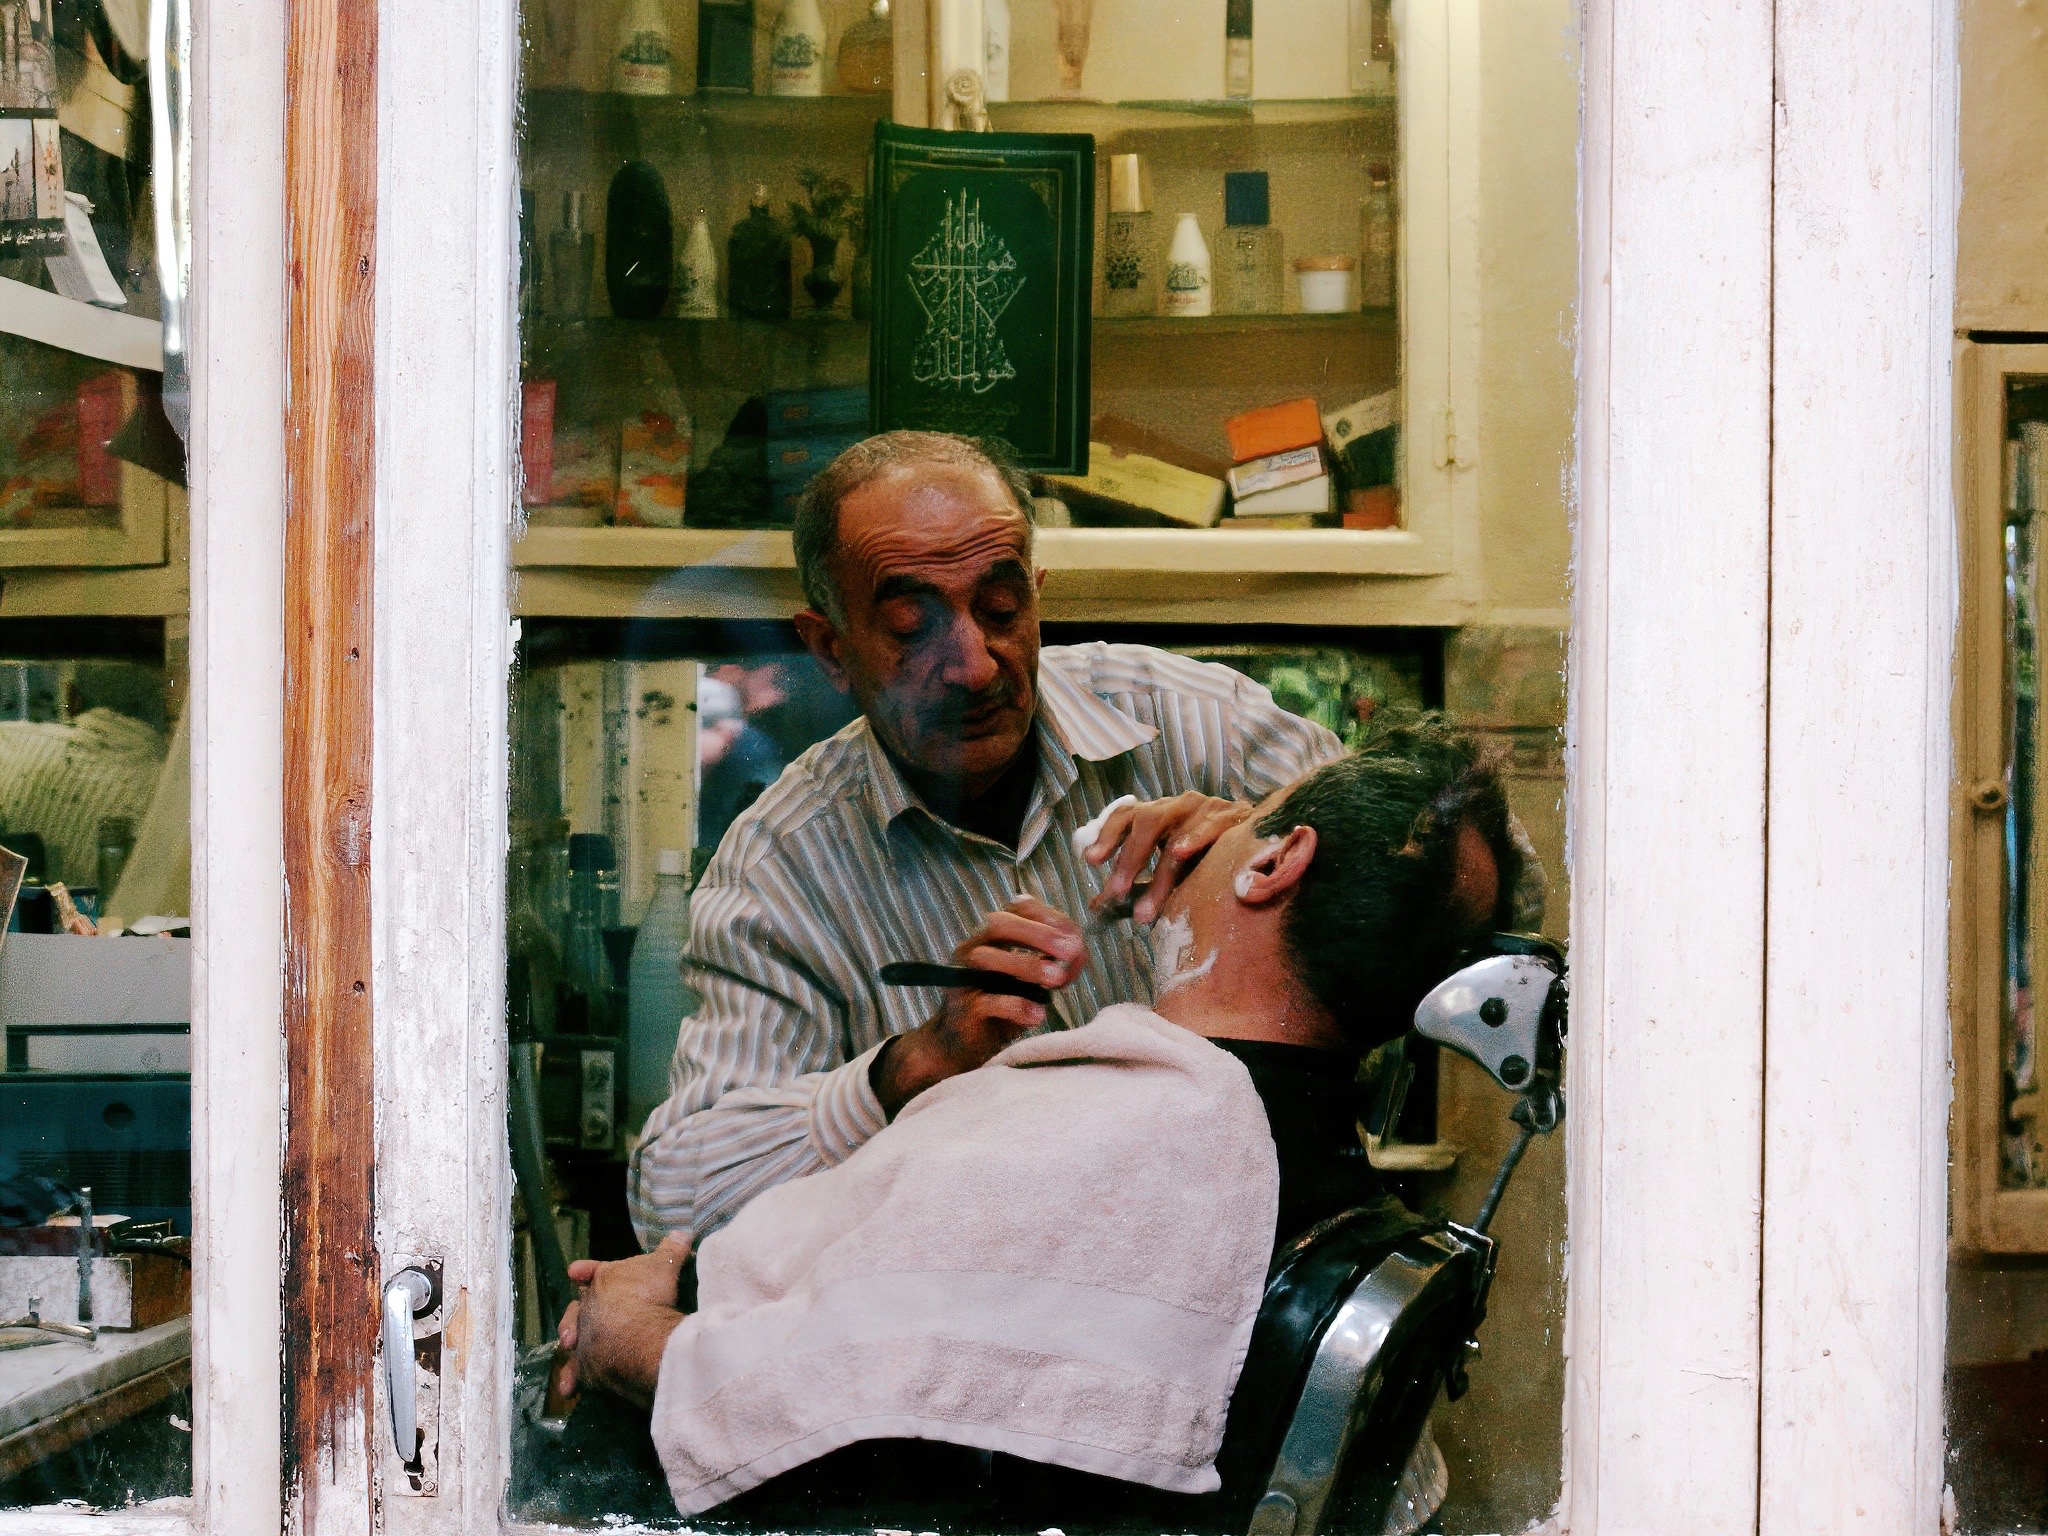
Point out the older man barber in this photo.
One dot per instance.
(940, 823)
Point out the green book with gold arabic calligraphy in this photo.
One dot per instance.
(982, 247)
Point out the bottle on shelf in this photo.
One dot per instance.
(1130, 248)
(656, 437)
(658, 999)
(1371, 48)
(639, 242)
(572, 257)
(529, 257)
(643, 63)
(116, 840)
(1237, 48)
(995, 42)
(1190, 285)
(1376, 238)
(757, 260)
(725, 46)
(697, 274)
(1250, 280)
(593, 907)
(796, 51)
(867, 54)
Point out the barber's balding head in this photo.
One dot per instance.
(914, 551)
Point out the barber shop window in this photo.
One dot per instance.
(1041, 590)
(96, 1203)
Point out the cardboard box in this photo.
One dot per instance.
(1127, 483)
(1273, 429)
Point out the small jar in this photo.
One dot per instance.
(1325, 283)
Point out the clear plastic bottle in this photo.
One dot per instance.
(593, 907)
(658, 999)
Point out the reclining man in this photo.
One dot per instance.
(1058, 1257)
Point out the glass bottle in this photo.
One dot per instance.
(796, 51)
(572, 258)
(1130, 250)
(1377, 241)
(1190, 287)
(639, 242)
(725, 46)
(116, 841)
(1237, 48)
(656, 438)
(1249, 277)
(643, 61)
(995, 36)
(593, 907)
(867, 54)
(757, 263)
(658, 999)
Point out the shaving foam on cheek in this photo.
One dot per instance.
(1084, 836)
(1173, 954)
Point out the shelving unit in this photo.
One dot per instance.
(1177, 377)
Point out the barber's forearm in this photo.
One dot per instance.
(903, 1068)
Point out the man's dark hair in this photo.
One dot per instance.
(816, 533)
(1372, 927)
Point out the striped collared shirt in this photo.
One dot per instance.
(839, 868)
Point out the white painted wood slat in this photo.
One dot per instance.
(1668, 714)
(1863, 612)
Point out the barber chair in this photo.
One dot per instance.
(1368, 1315)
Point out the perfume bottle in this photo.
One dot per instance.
(697, 274)
(1130, 251)
(796, 51)
(1237, 48)
(1376, 238)
(572, 257)
(867, 54)
(1249, 280)
(995, 41)
(1190, 288)
(757, 263)
(725, 46)
(639, 242)
(642, 63)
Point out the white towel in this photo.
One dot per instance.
(1059, 1255)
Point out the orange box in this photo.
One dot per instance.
(1273, 429)
(1377, 506)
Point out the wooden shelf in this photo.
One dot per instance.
(840, 125)
(1163, 551)
(1112, 119)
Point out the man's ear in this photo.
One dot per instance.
(1276, 867)
(821, 638)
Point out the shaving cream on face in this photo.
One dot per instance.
(1084, 836)
(1173, 955)
(1242, 883)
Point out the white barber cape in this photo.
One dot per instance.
(1059, 1256)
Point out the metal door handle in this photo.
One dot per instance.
(407, 1294)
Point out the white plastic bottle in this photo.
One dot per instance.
(995, 37)
(697, 274)
(1190, 283)
(796, 51)
(643, 61)
(657, 997)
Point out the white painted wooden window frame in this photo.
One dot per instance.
(1763, 617)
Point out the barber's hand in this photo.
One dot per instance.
(1179, 829)
(1028, 940)
(614, 1334)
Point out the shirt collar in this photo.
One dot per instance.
(1072, 722)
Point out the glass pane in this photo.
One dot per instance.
(740, 791)
(1998, 1344)
(95, 1133)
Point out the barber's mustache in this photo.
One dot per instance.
(958, 704)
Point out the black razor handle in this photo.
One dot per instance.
(922, 973)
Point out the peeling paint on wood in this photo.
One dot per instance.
(330, 1261)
